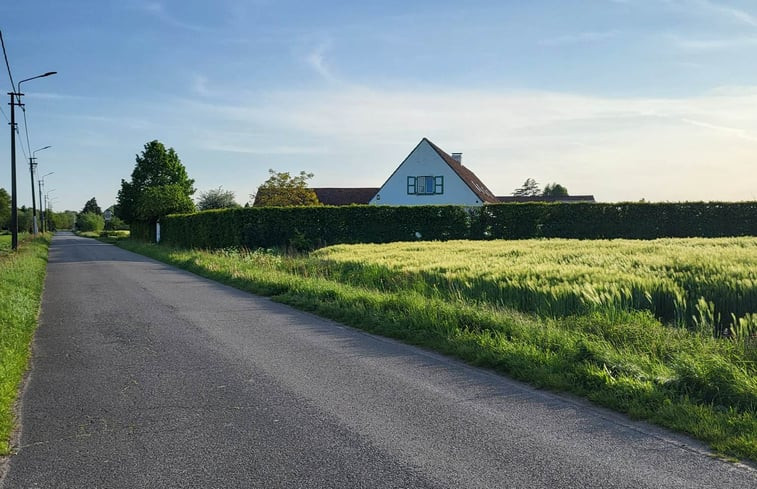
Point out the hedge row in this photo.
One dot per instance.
(311, 227)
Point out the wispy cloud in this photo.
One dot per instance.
(316, 59)
(159, 11)
(690, 44)
(199, 85)
(665, 148)
(724, 11)
(579, 38)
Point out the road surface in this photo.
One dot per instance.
(147, 376)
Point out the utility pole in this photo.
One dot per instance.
(14, 195)
(32, 167)
(14, 199)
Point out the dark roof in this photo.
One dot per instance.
(344, 196)
(538, 198)
(467, 176)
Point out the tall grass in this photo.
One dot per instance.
(623, 359)
(22, 274)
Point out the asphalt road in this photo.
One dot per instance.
(148, 376)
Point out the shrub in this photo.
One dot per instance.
(89, 221)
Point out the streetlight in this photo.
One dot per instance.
(42, 212)
(14, 195)
(32, 166)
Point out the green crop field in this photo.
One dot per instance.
(703, 284)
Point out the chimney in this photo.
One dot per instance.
(458, 157)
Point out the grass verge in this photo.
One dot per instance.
(22, 275)
(629, 362)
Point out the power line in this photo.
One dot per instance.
(7, 65)
(26, 130)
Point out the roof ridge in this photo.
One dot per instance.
(466, 174)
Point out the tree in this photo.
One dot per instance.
(63, 220)
(5, 208)
(89, 221)
(282, 189)
(24, 219)
(555, 190)
(158, 174)
(216, 198)
(529, 189)
(91, 206)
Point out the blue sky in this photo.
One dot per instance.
(623, 99)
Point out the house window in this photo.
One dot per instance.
(425, 185)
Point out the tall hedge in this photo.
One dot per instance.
(311, 227)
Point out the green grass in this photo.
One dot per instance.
(626, 360)
(21, 280)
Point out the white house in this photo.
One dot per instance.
(429, 176)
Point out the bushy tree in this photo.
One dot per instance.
(282, 189)
(162, 200)
(91, 206)
(529, 189)
(63, 220)
(216, 198)
(5, 209)
(158, 174)
(25, 218)
(89, 221)
(555, 190)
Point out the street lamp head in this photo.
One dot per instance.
(50, 73)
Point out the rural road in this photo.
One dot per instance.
(147, 376)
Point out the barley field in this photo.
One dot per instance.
(709, 285)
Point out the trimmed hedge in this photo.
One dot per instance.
(312, 227)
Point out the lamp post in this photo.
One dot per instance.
(32, 166)
(14, 196)
(42, 212)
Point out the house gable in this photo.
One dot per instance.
(429, 176)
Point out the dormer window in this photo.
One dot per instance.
(425, 185)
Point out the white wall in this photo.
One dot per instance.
(425, 161)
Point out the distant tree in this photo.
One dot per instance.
(529, 189)
(64, 220)
(24, 220)
(555, 190)
(282, 189)
(159, 186)
(5, 209)
(89, 221)
(216, 198)
(91, 206)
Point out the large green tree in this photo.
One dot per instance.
(159, 186)
(91, 206)
(5, 208)
(282, 189)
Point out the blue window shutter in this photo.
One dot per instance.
(410, 185)
(438, 185)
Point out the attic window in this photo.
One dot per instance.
(425, 185)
